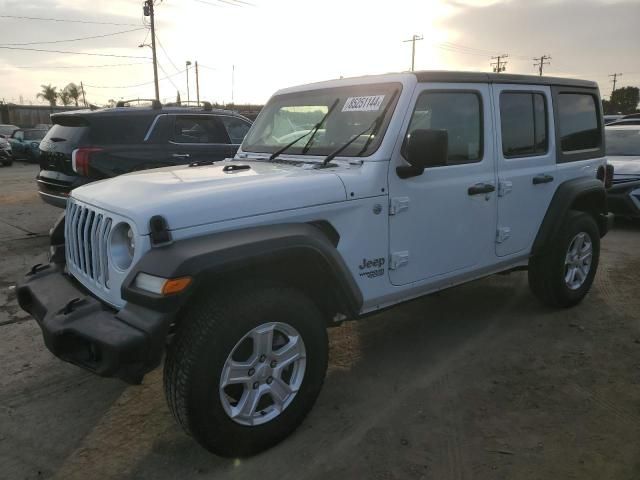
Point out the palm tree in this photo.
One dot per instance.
(49, 94)
(74, 92)
(65, 97)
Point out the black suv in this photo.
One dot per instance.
(87, 145)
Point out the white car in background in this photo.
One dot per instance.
(623, 152)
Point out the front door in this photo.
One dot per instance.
(444, 221)
(526, 164)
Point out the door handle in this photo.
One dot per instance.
(180, 155)
(538, 179)
(480, 188)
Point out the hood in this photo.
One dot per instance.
(189, 196)
(625, 165)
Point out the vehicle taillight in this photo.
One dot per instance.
(80, 159)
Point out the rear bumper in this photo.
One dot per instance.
(80, 329)
(59, 201)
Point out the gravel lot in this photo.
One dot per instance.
(478, 381)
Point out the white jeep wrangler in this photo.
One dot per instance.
(346, 197)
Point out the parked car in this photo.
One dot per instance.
(43, 126)
(6, 156)
(26, 142)
(611, 118)
(623, 152)
(406, 184)
(84, 145)
(625, 121)
(7, 130)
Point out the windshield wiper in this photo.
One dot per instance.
(374, 127)
(313, 131)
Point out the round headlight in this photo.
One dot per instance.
(123, 245)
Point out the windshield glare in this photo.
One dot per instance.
(623, 142)
(287, 117)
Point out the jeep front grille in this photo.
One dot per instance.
(86, 235)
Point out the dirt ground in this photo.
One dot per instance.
(479, 381)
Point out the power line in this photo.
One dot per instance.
(74, 53)
(69, 21)
(40, 67)
(76, 39)
(166, 54)
(136, 85)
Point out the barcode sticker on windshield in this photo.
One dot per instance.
(369, 103)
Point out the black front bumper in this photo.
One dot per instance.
(80, 329)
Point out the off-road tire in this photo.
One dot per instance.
(546, 272)
(206, 335)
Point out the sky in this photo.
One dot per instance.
(248, 49)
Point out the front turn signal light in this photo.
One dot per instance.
(160, 285)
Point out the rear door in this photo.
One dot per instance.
(199, 138)
(526, 163)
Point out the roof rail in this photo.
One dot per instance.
(206, 106)
(155, 104)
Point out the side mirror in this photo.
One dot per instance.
(425, 148)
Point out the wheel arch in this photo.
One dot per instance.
(581, 194)
(301, 255)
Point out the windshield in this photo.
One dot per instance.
(290, 116)
(34, 134)
(623, 142)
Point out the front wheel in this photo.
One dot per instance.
(245, 368)
(563, 276)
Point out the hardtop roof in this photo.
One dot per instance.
(483, 77)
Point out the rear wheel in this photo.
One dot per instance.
(245, 368)
(563, 276)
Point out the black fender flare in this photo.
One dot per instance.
(567, 195)
(220, 253)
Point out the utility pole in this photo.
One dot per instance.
(197, 84)
(413, 40)
(615, 79)
(499, 66)
(233, 81)
(541, 62)
(186, 64)
(84, 98)
(147, 9)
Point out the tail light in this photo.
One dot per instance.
(605, 175)
(80, 158)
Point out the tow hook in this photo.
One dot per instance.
(69, 307)
(38, 267)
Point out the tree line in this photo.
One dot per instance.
(623, 101)
(68, 95)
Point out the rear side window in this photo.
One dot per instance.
(118, 130)
(199, 129)
(578, 122)
(66, 138)
(236, 128)
(460, 114)
(523, 118)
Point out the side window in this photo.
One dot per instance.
(523, 119)
(199, 129)
(236, 129)
(578, 122)
(460, 114)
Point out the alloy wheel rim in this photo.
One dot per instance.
(577, 263)
(263, 374)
